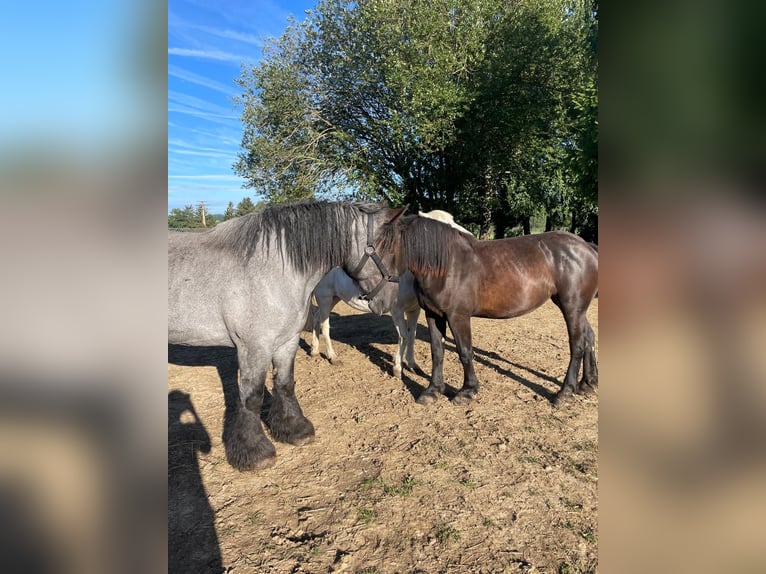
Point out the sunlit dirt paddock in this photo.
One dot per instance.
(507, 484)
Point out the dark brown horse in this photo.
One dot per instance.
(459, 277)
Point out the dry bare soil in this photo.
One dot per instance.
(506, 484)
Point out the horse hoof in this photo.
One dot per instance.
(561, 398)
(296, 433)
(461, 399)
(301, 440)
(398, 373)
(586, 389)
(426, 398)
(335, 362)
(246, 457)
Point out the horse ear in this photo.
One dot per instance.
(397, 213)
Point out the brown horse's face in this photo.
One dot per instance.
(375, 268)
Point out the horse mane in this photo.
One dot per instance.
(311, 235)
(420, 244)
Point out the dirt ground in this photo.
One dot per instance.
(507, 484)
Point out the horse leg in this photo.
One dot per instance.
(397, 314)
(285, 419)
(315, 330)
(412, 331)
(247, 447)
(331, 356)
(589, 379)
(576, 327)
(437, 327)
(461, 330)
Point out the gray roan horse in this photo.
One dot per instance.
(246, 283)
(459, 277)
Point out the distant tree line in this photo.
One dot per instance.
(191, 218)
(485, 108)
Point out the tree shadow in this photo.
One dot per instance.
(360, 331)
(192, 539)
(224, 359)
(483, 357)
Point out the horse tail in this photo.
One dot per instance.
(594, 247)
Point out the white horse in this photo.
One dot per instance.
(400, 301)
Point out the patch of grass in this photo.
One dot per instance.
(468, 483)
(254, 518)
(316, 550)
(578, 566)
(403, 489)
(229, 529)
(220, 460)
(488, 523)
(358, 419)
(365, 515)
(587, 447)
(370, 482)
(530, 459)
(589, 536)
(580, 468)
(571, 505)
(444, 533)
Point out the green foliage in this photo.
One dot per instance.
(365, 515)
(182, 218)
(229, 213)
(481, 107)
(247, 206)
(189, 218)
(404, 489)
(444, 533)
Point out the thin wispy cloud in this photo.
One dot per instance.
(207, 43)
(204, 177)
(200, 80)
(230, 35)
(226, 120)
(217, 55)
(188, 102)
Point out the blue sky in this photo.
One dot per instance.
(71, 78)
(208, 41)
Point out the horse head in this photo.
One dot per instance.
(374, 270)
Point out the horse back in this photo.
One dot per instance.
(516, 275)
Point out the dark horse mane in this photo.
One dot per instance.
(420, 244)
(310, 234)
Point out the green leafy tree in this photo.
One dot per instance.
(481, 107)
(185, 218)
(245, 206)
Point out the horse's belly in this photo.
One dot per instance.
(197, 328)
(195, 318)
(507, 305)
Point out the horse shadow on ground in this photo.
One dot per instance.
(362, 331)
(224, 359)
(192, 539)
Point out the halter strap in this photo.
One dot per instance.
(370, 253)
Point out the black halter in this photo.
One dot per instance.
(370, 253)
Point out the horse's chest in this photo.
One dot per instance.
(449, 294)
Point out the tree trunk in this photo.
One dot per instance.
(526, 224)
(548, 222)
